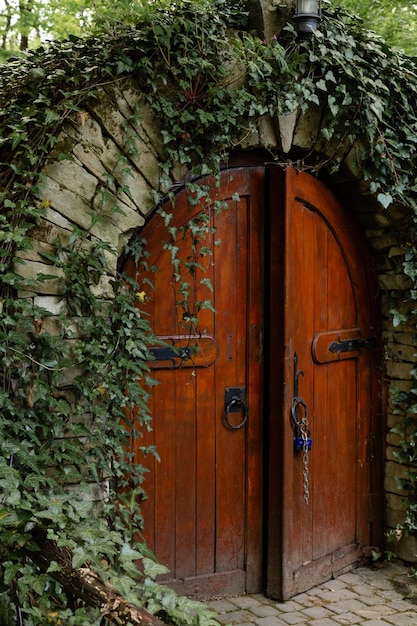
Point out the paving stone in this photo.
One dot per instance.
(351, 578)
(293, 618)
(369, 596)
(289, 606)
(245, 602)
(221, 606)
(400, 606)
(316, 612)
(235, 617)
(378, 610)
(347, 619)
(306, 599)
(338, 595)
(390, 594)
(378, 622)
(348, 606)
(262, 598)
(402, 619)
(332, 585)
(264, 610)
(324, 622)
(302, 597)
(271, 620)
(366, 597)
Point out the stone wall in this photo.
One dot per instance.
(92, 179)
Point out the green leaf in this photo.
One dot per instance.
(385, 199)
(79, 557)
(153, 569)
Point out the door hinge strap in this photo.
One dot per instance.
(352, 345)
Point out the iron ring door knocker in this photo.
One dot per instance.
(234, 402)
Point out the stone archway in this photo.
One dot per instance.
(93, 181)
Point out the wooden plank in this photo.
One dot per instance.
(164, 492)
(210, 586)
(277, 450)
(230, 324)
(256, 426)
(206, 474)
(185, 473)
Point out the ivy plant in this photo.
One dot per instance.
(75, 385)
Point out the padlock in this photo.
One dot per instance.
(299, 443)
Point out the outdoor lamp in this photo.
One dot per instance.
(307, 16)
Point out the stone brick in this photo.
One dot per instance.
(382, 240)
(53, 304)
(307, 129)
(398, 370)
(394, 282)
(267, 132)
(73, 177)
(392, 472)
(33, 270)
(286, 124)
(147, 118)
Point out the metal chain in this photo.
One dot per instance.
(304, 436)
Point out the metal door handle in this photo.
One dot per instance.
(234, 402)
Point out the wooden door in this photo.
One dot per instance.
(322, 301)
(203, 513)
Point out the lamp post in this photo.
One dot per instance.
(307, 16)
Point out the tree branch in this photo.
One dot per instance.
(84, 583)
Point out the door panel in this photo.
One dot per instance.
(203, 515)
(325, 515)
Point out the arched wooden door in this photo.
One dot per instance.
(323, 290)
(280, 301)
(203, 515)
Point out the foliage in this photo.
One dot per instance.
(68, 428)
(65, 416)
(27, 24)
(394, 20)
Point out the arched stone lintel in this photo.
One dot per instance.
(115, 143)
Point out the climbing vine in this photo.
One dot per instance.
(75, 383)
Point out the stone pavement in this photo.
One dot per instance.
(379, 596)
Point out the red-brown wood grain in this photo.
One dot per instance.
(325, 290)
(204, 514)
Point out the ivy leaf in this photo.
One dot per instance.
(377, 107)
(153, 569)
(397, 317)
(53, 567)
(385, 199)
(128, 552)
(79, 557)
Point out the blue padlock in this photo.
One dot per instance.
(299, 443)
